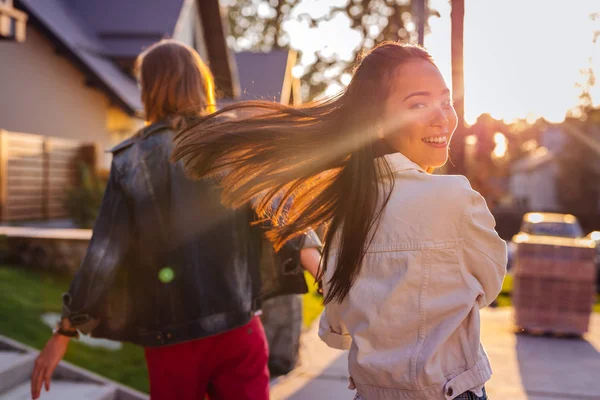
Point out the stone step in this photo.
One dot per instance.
(15, 368)
(69, 381)
(62, 390)
(9, 358)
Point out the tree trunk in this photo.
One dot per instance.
(457, 151)
(419, 10)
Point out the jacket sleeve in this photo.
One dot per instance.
(332, 330)
(484, 252)
(290, 251)
(106, 252)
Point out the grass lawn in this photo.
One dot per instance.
(25, 295)
(312, 302)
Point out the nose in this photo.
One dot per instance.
(439, 118)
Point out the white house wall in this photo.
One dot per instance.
(44, 93)
(543, 184)
(536, 186)
(188, 29)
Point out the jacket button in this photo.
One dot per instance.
(449, 392)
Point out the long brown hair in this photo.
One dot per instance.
(321, 154)
(175, 83)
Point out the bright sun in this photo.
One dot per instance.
(522, 57)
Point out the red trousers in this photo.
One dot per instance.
(228, 366)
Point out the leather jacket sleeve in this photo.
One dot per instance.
(289, 254)
(106, 252)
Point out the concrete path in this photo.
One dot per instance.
(525, 367)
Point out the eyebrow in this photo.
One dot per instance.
(445, 91)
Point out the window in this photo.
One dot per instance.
(12, 22)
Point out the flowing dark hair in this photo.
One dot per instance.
(323, 154)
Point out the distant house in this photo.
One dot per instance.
(268, 76)
(71, 77)
(533, 180)
(66, 80)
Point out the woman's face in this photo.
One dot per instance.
(419, 118)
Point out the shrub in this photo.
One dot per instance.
(83, 202)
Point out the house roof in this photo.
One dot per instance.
(262, 75)
(541, 156)
(94, 33)
(58, 20)
(127, 27)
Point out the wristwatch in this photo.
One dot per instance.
(59, 329)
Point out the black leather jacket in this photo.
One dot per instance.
(167, 262)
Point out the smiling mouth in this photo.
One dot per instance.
(436, 140)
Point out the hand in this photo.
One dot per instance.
(46, 363)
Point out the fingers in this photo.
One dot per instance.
(47, 379)
(36, 380)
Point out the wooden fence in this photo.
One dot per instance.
(35, 173)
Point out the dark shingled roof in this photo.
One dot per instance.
(261, 74)
(66, 27)
(96, 34)
(126, 27)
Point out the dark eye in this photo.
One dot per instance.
(418, 106)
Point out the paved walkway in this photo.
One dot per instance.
(525, 367)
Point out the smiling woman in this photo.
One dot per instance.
(419, 116)
(410, 256)
(322, 154)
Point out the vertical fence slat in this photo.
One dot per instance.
(3, 173)
(47, 147)
(54, 157)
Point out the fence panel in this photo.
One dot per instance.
(35, 173)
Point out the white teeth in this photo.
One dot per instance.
(435, 139)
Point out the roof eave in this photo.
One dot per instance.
(91, 76)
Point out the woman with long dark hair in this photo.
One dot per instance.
(409, 257)
(168, 267)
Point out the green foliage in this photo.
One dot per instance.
(507, 285)
(83, 202)
(312, 302)
(578, 177)
(260, 25)
(26, 294)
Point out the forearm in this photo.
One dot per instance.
(310, 259)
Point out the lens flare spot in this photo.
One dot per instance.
(166, 275)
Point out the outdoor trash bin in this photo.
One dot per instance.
(554, 284)
(282, 319)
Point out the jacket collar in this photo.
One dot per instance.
(142, 133)
(153, 128)
(399, 162)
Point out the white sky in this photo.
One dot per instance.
(522, 57)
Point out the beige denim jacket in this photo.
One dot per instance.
(411, 320)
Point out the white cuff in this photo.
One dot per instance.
(334, 339)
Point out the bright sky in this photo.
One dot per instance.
(522, 57)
